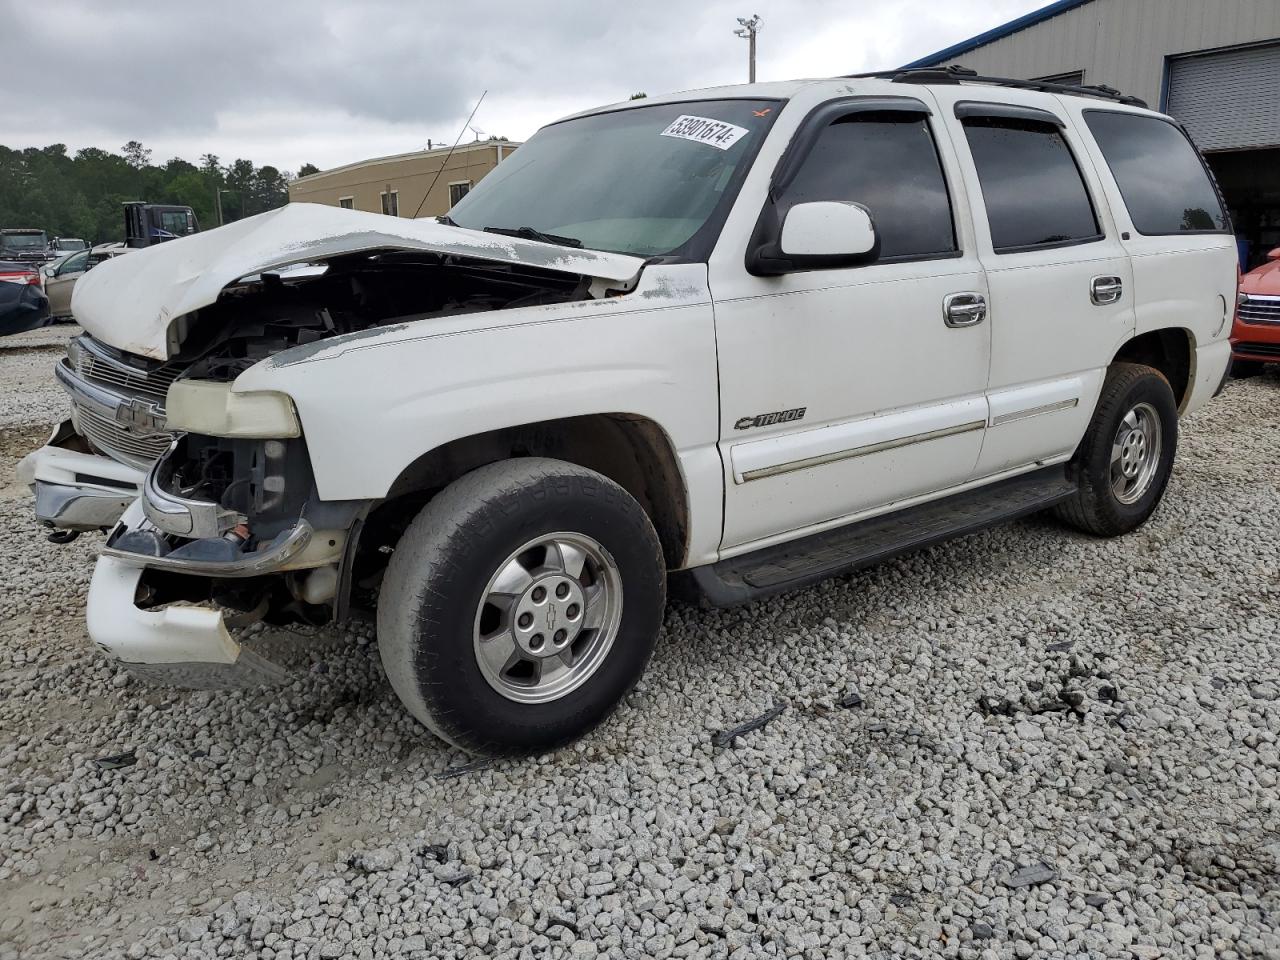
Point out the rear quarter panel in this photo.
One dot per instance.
(1181, 282)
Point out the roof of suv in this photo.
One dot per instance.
(948, 76)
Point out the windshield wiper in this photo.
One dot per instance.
(446, 220)
(529, 233)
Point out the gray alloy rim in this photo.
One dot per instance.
(548, 617)
(1135, 453)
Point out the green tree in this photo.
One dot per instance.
(136, 154)
(81, 195)
(307, 169)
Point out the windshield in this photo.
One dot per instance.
(72, 244)
(25, 242)
(650, 181)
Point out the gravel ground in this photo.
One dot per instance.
(1024, 744)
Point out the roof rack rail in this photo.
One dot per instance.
(958, 74)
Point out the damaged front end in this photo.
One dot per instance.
(229, 527)
(227, 532)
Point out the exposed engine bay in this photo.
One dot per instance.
(265, 315)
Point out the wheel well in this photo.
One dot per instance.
(632, 451)
(1169, 351)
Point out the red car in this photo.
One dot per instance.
(1255, 338)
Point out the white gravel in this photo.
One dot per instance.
(1064, 748)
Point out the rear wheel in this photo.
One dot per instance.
(1124, 462)
(521, 605)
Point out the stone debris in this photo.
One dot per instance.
(318, 820)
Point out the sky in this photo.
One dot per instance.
(285, 83)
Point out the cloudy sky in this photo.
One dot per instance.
(285, 82)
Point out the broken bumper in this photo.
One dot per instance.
(181, 645)
(75, 490)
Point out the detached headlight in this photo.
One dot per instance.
(214, 410)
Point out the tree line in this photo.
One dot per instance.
(81, 195)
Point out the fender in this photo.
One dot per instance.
(373, 402)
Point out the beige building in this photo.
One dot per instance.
(396, 185)
(1212, 64)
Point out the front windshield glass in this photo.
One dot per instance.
(24, 242)
(649, 181)
(72, 245)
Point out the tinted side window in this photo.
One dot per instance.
(1032, 188)
(73, 264)
(1160, 176)
(888, 163)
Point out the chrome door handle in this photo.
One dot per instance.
(1104, 290)
(964, 309)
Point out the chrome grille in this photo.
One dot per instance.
(1260, 310)
(99, 365)
(112, 439)
(152, 384)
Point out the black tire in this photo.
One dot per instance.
(1095, 507)
(1244, 369)
(438, 575)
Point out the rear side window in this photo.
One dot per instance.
(1159, 173)
(1033, 191)
(887, 162)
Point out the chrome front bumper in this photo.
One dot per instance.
(202, 558)
(76, 490)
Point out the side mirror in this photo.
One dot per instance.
(816, 235)
(48, 271)
(1274, 254)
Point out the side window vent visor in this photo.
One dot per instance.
(967, 109)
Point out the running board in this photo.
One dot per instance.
(800, 563)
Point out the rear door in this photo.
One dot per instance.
(1173, 224)
(1061, 298)
(846, 390)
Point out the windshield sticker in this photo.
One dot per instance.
(715, 133)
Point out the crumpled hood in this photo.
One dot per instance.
(129, 302)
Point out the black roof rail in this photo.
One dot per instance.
(958, 74)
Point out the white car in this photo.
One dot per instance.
(755, 335)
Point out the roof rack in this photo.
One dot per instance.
(958, 74)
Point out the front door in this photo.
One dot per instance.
(1060, 279)
(845, 391)
(59, 287)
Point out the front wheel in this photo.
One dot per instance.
(1124, 462)
(521, 605)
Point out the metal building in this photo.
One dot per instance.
(1213, 64)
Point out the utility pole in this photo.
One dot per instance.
(748, 30)
(218, 192)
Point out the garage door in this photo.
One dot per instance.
(1228, 100)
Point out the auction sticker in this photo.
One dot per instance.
(715, 133)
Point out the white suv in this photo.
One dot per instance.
(757, 335)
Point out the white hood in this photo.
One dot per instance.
(129, 302)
